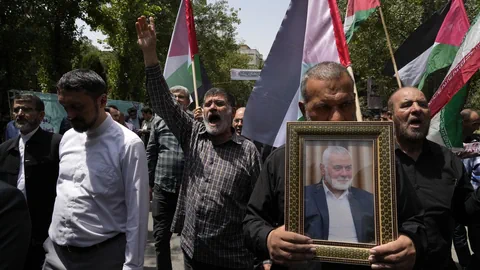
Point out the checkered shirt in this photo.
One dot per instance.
(216, 186)
(165, 157)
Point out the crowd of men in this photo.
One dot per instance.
(81, 200)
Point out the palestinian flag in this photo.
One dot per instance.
(446, 125)
(448, 39)
(432, 47)
(311, 32)
(357, 12)
(182, 51)
(412, 55)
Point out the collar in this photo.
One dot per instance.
(327, 191)
(100, 129)
(425, 148)
(148, 121)
(238, 139)
(27, 137)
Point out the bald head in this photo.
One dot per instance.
(403, 92)
(470, 121)
(238, 120)
(408, 108)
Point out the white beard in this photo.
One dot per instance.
(336, 184)
(224, 125)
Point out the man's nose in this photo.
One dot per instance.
(336, 115)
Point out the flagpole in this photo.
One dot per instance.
(389, 45)
(195, 83)
(358, 112)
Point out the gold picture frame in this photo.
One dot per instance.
(378, 135)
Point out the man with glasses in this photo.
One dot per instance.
(30, 162)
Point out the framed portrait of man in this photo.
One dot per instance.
(340, 187)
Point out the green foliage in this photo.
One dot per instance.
(216, 31)
(116, 19)
(38, 40)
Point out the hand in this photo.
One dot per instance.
(198, 114)
(399, 254)
(289, 247)
(147, 40)
(465, 154)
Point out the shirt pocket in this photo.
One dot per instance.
(98, 180)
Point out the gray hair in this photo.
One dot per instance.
(339, 150)
(221, 92)
(179, 88)
(324, 71)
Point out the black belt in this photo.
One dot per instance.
(90, 248)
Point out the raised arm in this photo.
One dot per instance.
(178, 121)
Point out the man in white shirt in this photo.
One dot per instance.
(101, 211)
(334, 210)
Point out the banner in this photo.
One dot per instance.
(245, 74)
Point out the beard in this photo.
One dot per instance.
(79, 124)
(26, 126)
(222, 124)
(412, 135)
(339, 183)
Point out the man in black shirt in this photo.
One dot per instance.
(327, 89)
(437, 175)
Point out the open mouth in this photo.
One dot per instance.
(214, 119)
(416, 123)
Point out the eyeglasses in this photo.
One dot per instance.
(24, 109)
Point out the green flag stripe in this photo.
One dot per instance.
(359, 17)
(450, 120)
(183, 76)
(441, 56)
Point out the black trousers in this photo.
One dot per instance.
(163, 209)
(190, 264)
(460, 243)
(35, 256)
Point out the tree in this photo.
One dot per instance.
(116, 19)
(38, 40)
(216, 31)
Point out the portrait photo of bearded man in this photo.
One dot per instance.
(335, 210)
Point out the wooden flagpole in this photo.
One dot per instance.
(195, 83)
(358, 112)
(389, 45)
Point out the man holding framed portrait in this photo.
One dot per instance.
(327, 90)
